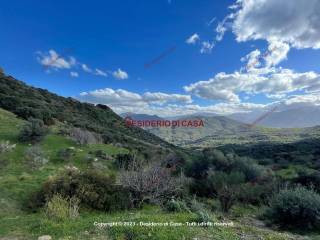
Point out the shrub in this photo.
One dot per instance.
(295, 208)
(202, 216)
(251, 170)
(33, 131)
(227, 187)
(151, 183)
(60, 208)
(34, 157)
(124, 160)
(200, 211)
(6, 146)
(92, 188)
(257, 194)
(176, 206)
(66, 154)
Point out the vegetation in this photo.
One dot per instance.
(60, 209)
(297, 208)
(94, 190)
(63, 160)
(33, 131)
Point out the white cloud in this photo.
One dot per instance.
(112, 97)
(161, 98)
(253, 59)
(273, 81)
(277, 52)
(193, 39)
(206, 47)
(123, 98)
(149, 103)
(294, 22)
(178, 110)
(86, 68)
(119, 74)
(100, 72)
(54, 61)
(74, 74)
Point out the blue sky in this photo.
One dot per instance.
(115, 39)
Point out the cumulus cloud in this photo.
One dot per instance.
(177, 104)
(193, 39)
(74, 74)
(53, 60)
(277, 52)
(294, 22)
(112, 97)
(119, 74)
(123, 98)
(226, 87)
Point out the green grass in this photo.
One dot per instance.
(38, 224)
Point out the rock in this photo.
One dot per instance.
(45, 237)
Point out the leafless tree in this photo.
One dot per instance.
(152, 183)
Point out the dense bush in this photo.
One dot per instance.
(124, 160)
(295, 208)
(174, 205)
(93, 189)
(257, 194)
(250, 169)
(33, 131)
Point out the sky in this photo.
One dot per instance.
(167, 57)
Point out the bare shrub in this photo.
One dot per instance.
(35, 157)
(152, 183)
(83, 137)
(6, 146)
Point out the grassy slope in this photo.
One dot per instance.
(16, 183)
(26, 101)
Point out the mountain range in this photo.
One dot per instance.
(220, 130)
(292, 118)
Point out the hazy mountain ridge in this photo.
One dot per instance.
(220, 130)
(292, 118)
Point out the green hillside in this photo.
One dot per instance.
(29, 102)
(67, 167)
(18, 181)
